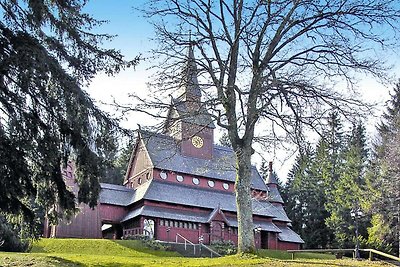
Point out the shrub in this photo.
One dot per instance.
(147, 242)
(223, 247)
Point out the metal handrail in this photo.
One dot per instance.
(211, 250)
(186, 241)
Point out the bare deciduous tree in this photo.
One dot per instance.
(274, 64)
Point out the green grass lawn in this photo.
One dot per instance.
(109, 253)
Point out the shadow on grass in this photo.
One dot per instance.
(344, 264)
(63, 262)
(139, 246)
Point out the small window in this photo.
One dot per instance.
(176, 224)
(163, 175)
(162, 222)
(148, 176)
(225, 186)
(180, 224)
(195, 226)
(211, 183)
(195, 181)
(139, 181)
(185, 225)
(179, 178)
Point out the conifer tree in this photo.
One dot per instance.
(48, 52)
(385, 177)
(348, 190)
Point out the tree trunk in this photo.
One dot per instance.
(243, 200)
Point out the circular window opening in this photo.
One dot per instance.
(225, 186)
(163, 175)
(211, 183)
(179, 178)
(196, 181)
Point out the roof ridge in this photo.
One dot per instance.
(115, 187)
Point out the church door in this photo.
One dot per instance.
(264, 239)
(216, 234)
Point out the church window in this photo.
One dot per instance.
(196, 181)
(163, 175)
(185, 225)
(211, 183)
(162, 222)
(179, 178)
(180, 224)
(195, 226)
(139, 181)
(176, 224)
(148, 176)
(225, 186)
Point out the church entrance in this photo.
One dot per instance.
(264, 239)
(216, 232)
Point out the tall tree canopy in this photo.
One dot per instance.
(385, 174)
(273, 63)
(47, 53)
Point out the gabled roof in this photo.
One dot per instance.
(288, 235)
(165, 154)
(215, 213)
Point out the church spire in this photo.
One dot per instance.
(271, 178)
(190, 83)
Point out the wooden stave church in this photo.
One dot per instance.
(179, 183)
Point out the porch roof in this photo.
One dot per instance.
(288, 235)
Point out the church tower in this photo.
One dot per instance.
(188, 120)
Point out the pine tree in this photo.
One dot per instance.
(385, 178)
(348, 190)
(48, 52)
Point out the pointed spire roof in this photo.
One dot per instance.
(271, 178)
(190, 82)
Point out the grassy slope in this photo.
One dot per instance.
(84, 252)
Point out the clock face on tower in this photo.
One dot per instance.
(197, 141)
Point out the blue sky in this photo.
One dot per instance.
(133, 38)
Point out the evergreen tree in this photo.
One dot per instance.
(348, 191)
(385, 177)
(117, 166)
(47, 53)
(224, 140)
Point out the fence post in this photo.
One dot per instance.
(292, 255)
(370, 255)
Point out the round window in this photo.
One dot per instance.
(179, 178)
(225, 186)
(163, 175)
(196, 181)
(211, 183)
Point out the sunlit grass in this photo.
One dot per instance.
(109, 253)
